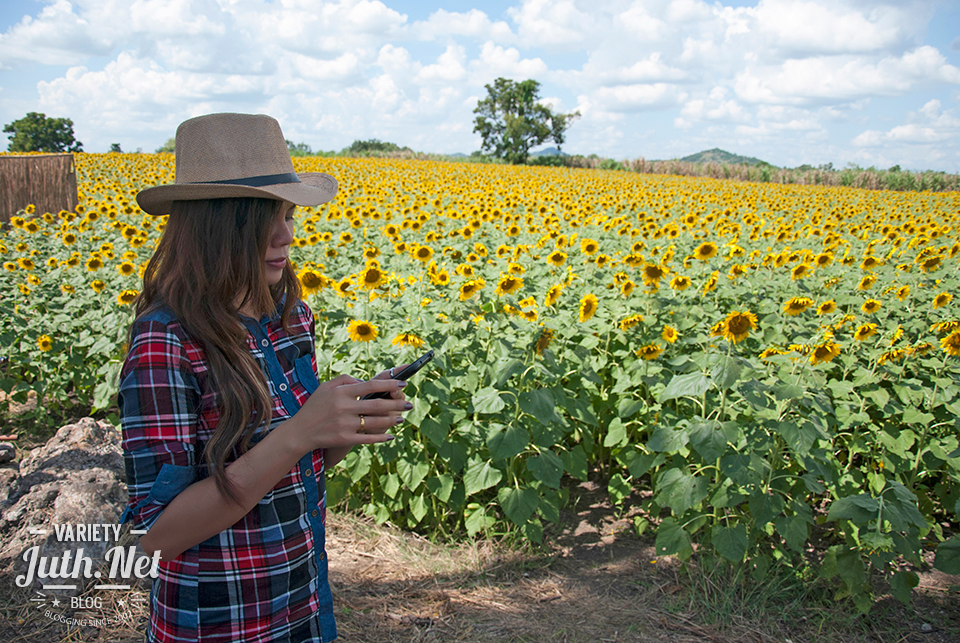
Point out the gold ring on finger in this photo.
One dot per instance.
(362, 421)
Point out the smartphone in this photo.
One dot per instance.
(403, 375)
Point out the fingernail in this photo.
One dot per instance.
(401, 384)
(399, 420)
(390, 437)
(408, 406)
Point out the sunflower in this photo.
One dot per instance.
(589, 246)
(557, 258)
(951, 343)
(705, 250)
(344, 287)
(823, 260)
(737, 326)
(867, 282)
(797, 305)
(126, 297)
(680, 282)
(312, 281)
(629, 322)
(711, 282)
(9, 265)
(771, 351)
(361, 330)
(470, 288)
(508, 285)
(871, 306)
(799, 271)
(24, 289)
(529, 315)
(372, 278)
(669, 334)
(97, 286)
(942, 300)
(827, 307)
(544, 340)
(588, 306)
(423, 253)
(931, 263)
(627, 287)
(26, 263)
(903, 292)
(824, 352)
(869, 263)
(945, 326)
(653, 273)
(553, 295)
(94, 263)
(649, 352)
(894, 355)
(528, 302)
(407, 339)
(923, 348)
(67, 289)
(45, 342)
(69, 239)
(126, 268)
(865, 331)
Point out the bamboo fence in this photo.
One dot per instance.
(48, 181)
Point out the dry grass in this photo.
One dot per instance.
(596, 581)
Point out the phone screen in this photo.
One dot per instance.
(404, 374)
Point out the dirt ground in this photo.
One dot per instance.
(596, 581)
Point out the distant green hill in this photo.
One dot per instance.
(716, 155)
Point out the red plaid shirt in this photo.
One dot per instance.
(265, 577)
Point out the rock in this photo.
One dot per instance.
(76, 478)
(8, 452)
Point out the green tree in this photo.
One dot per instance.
(115, 148)
(372, 145)
(298, 149)
(37, 133)
(169, 147)
(511, 121)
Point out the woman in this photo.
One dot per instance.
(226, 428)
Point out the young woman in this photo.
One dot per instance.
(226, 429)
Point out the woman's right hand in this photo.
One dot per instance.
(331, 416)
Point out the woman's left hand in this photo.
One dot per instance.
(385, 375)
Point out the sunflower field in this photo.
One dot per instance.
(772, 369)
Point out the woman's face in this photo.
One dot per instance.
(278, 247)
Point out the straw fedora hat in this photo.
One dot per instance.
(235, 155)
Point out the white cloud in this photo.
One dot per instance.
(631, 98)
(806, 27)
(810, 80)
(781, 72)
(448, 68)
(496, 61)
(475, 24)
(715, 107)
(551, 23)
(55, 37)
(930, 124)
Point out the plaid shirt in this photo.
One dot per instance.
(265, 577)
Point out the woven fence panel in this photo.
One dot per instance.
(48, 181)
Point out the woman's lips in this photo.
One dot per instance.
(279, 263)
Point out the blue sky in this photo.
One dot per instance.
(787, 81)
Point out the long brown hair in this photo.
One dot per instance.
(211, 253)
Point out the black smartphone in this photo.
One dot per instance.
(403, 375)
